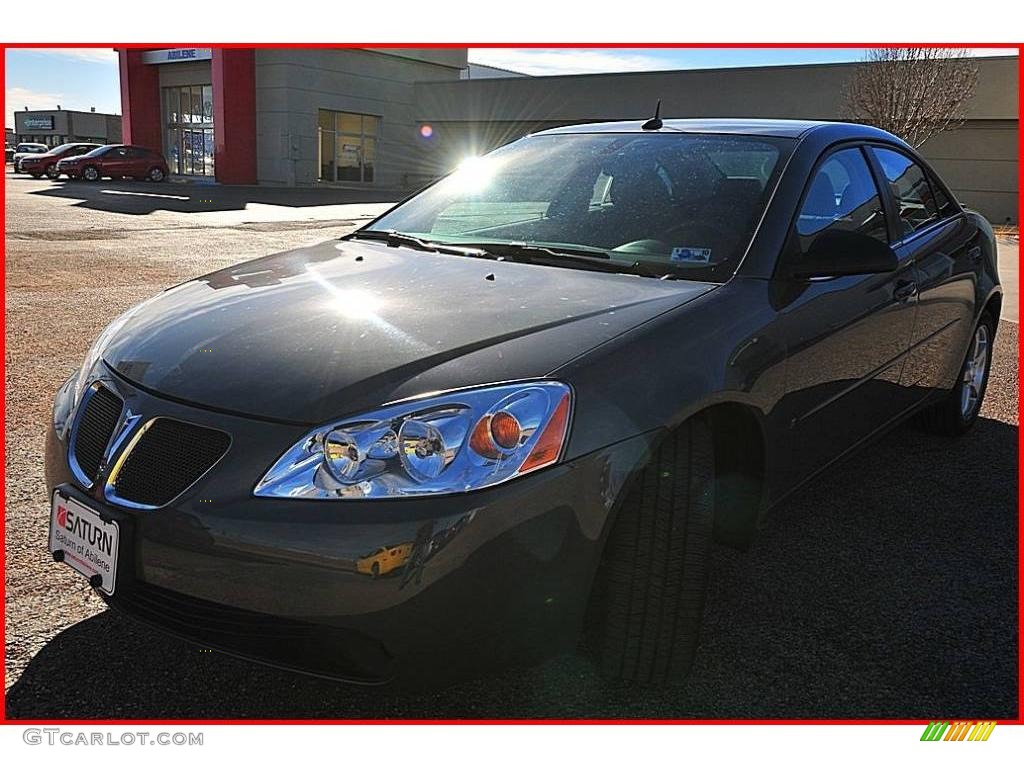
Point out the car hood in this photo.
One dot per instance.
(321, 332)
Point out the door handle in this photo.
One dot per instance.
(904, 290)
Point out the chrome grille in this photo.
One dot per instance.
(92, 432)
(164, 459)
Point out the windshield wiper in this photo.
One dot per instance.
(586, 258)
(397, 239)
(581, 257)
(527, 249)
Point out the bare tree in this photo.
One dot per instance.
(914, 93)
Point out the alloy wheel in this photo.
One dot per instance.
(975, 370)
(91, 174)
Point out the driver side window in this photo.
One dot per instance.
(842, 196)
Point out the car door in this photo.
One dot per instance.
(138, 162)
(116, 162)
(932, 231)
(847, 336)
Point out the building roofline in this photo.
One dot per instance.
(67, 111)
(677, 70)
(500, 69)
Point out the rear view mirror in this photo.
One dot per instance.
(834, 253)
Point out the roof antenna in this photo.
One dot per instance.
(655, 122)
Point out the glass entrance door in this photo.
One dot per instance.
(188, 115)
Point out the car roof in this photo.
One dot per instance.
(747, 126)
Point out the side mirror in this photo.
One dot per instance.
(834, 253)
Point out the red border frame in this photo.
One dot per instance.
(1010, 47)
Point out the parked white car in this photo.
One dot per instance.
(24, 150)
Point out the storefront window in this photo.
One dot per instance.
(348, 146)
(171, 97)
(188, 113)
(208, 104)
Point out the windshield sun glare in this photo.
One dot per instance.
(675, 204)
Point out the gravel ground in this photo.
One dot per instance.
(887, 590)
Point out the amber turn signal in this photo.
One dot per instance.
(549, 446)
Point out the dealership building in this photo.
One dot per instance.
(393, 118)
(59, 126)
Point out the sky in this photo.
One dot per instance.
(75, 78)
(80, 78)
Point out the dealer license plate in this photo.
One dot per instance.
(87, 542)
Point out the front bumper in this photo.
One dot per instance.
(462, 583)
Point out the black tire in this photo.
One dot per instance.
(156, 174)
(650, 589)
(51, 172)
(85, 173)
(35, 175)
(947, 417)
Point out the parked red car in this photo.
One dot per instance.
(46, 163)
(116, 161)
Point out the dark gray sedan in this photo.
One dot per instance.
(517, 408)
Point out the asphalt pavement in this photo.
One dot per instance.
(885, 589)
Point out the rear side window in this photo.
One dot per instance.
(915, 200)
(945, 205)
(842, 196)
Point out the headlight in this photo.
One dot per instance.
(448, 443)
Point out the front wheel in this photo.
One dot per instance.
(51, 171)
(957, 411)
(156, 174)
(90, 173)
(648, 598)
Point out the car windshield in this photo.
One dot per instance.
(32, 148)
(61, 148)
(675, 204)
(98, 151)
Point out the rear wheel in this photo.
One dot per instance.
(90, 173)
(155, 174)
(957, 411)
(649, 594)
